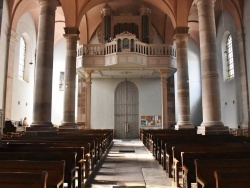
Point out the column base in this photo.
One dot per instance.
(245, 125)
(68, 126)
(188, 125)
(215, 130)
(40, 129)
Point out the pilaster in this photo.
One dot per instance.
(88, 99)
(164, 99)
(10, 71)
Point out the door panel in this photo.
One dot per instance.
(126, 110)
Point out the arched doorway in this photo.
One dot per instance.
(126, 110)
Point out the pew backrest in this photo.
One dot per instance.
(23, 179)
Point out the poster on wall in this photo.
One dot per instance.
(151, 121)
(61, 81)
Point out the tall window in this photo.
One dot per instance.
(229, 57)
(22, 53)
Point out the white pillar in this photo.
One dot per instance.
(88, 98)
(164, 99)
(181, 38)
(44, 65)
(212, 123)
(245, 123)
(71, 36)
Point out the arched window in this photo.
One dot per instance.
(22, 56)
(229, 57)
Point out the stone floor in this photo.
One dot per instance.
(129, 164)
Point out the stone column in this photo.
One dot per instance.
(181, 37)
(145, 20)
(88, 98)
(10, 71)
(106, 14)
(245, 123)
(71, 36)
(81, 109)
(164, 99)
(44, 66)
(212, 123)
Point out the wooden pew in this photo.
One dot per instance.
(69, 158)
(82, 164)
(188, 158)
(92, 154)
(96, 143)
(55, 169)
(89, 155)
(23, 179)
(232, 179)
(203, 147)
(205, 169)
(193, 140)
(90, 143)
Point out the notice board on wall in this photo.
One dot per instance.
(151, 120)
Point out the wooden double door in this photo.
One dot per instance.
(126, 111)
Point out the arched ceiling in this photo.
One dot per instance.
(85, 14)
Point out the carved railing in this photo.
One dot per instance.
(136, 47)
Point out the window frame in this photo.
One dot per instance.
(22, 58)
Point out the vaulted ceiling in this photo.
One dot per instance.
(85, 14)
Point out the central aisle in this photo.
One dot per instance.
(130, 164)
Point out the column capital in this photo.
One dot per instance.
(145, 10)
(13, 37)
(71, 33)
(181, 33)
(163, 72)
(106, 10)
(51, 2)
(87, 74)
(199, 2)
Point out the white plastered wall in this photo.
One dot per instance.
(3, 50)
(229, 89)
(102, 100)
(57, 96)
(22, 97)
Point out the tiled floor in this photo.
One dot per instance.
(129, 164)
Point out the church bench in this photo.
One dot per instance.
(188, 165)
(167, 155)
(87, 163)
(202, 147)
(205, 169)
(82, 164)
(232, 178)
(23, 179)
(55, 169)
(152, 135)
(89, 145)
(69, 158)
(97, 146)
(83, 157)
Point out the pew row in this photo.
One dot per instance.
(69, 158)
(55, 169)
(232, 179)
(23, 179)
(205, 169)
